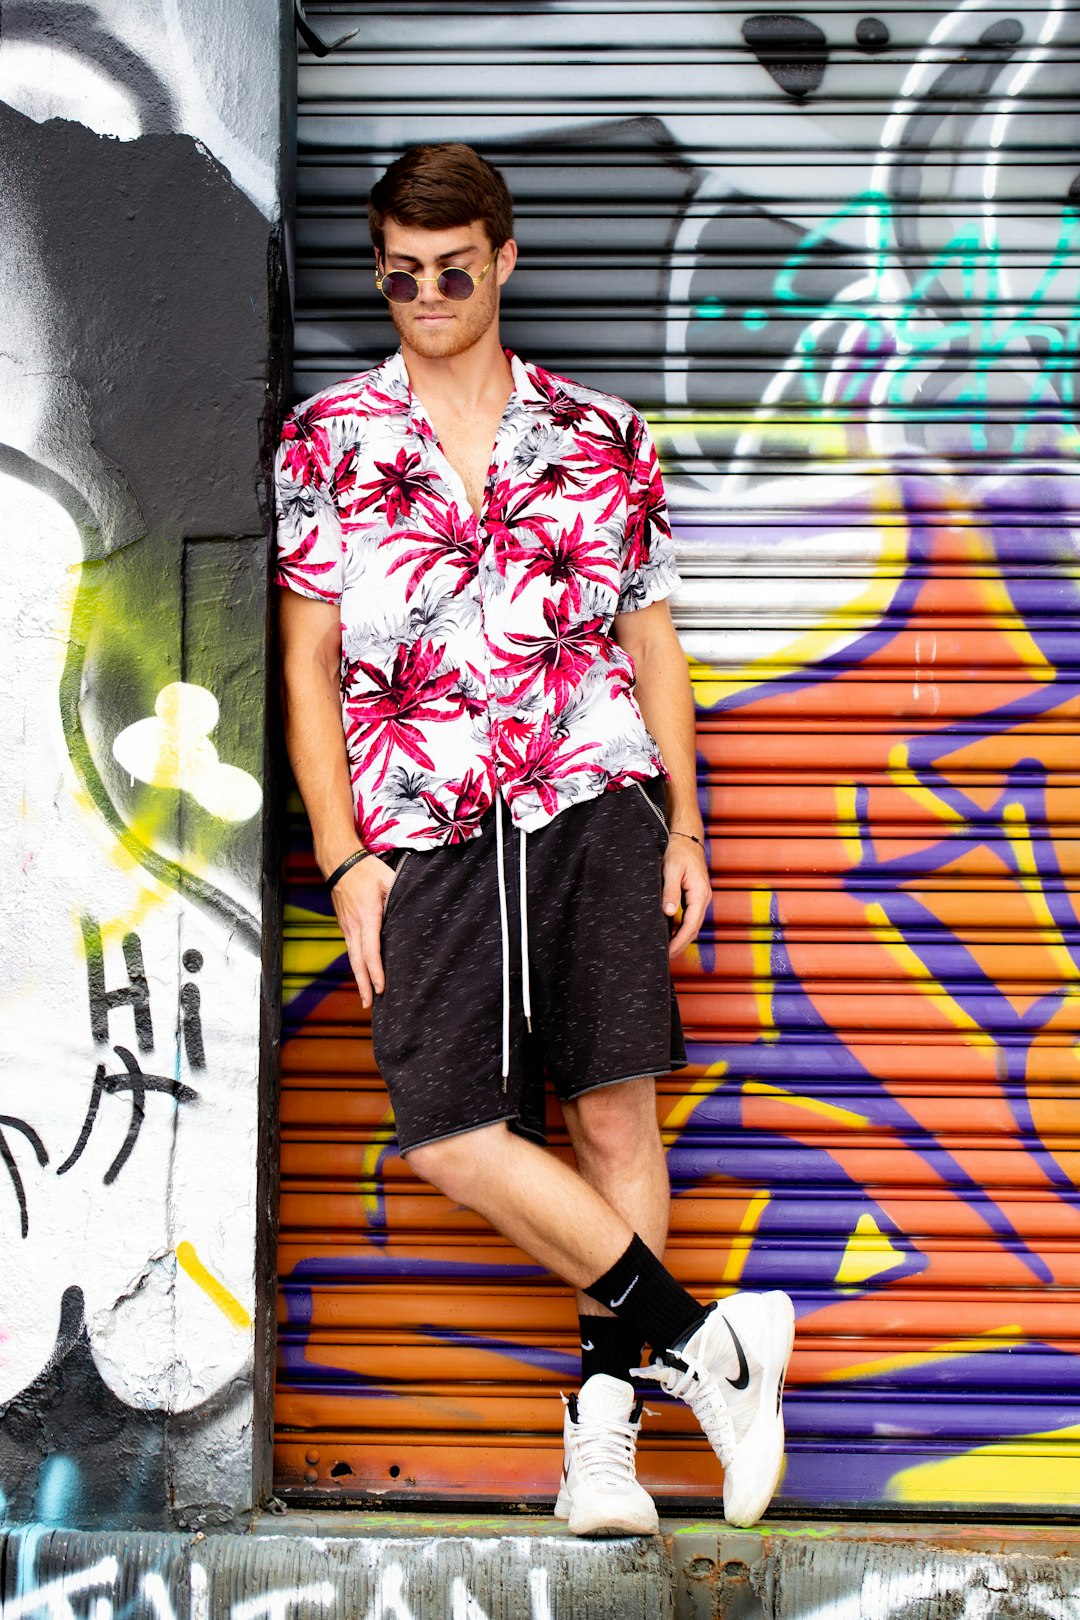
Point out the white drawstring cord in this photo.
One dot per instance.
(523, 906)
(505, 926)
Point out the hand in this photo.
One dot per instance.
(359, 901)
(686, 882)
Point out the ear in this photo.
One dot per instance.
(506, 261)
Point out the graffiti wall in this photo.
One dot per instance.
(834, 255)
(139, 159)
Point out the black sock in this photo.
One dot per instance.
(643, 1294)
(609, 1346)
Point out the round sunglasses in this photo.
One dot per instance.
(401, 287)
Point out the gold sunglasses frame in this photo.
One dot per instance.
(381, 275)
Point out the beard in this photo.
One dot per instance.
(470, 319)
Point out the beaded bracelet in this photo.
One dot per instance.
(676, 834)
(354, 859)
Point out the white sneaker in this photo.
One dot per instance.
(730, 1372)
(599, 1494)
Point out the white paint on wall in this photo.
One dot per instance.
(164, 1250)
(215, 65)
(46, 83)
(174, 750)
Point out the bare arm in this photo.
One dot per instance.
(666, 702)
(311, 697)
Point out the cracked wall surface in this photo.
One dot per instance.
(140, 174)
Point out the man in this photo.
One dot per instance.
(490, 721)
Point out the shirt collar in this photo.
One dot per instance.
(394, 374)
(526, 389)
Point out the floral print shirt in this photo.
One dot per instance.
(476, 653)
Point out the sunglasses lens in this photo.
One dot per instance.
(455, 283)
(400, 287)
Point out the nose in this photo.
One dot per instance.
(429, 292)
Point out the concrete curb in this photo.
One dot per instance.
(875, 1572)
(345, 1566)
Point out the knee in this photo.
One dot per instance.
(451, 1165)
(613, 1125)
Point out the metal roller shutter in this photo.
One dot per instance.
(834, 257)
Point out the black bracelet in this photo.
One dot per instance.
(697, 840)
(354, 859)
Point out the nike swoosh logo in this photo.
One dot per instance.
(744, 1371)
(613, 1304)
(587, 1344)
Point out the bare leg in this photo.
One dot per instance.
(620, 1153)
(531, 1197)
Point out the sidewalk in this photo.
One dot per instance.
(374, 1566)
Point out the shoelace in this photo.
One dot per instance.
(693, 1384)
(604, 1449)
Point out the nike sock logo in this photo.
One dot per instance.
(613, 1304)
(587, 1344)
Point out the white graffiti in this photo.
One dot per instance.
(53, 1599)
(970, 1591)
(174, 750)
(276, 1605)
(119, 1171)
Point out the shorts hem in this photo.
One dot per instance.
(480, 1124)
(621, 1079)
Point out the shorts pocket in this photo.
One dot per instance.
(392, 896)
(654, 809)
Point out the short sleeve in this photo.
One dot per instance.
(310, 552)
(648, 572)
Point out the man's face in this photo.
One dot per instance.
(433, 326)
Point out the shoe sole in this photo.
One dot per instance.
(582, 1524)
(766, 1433)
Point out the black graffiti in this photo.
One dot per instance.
(135, 994)
(9, 1123)
(871, 35)
(133, 1080)
(190, 1014)
(792, 49)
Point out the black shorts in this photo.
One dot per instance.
(603, 1006)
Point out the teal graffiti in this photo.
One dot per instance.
(900, 334)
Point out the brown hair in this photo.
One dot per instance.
(440, 186)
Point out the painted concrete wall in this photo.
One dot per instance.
(140, 148)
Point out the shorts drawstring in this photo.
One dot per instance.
(504, 924)
(523, 901)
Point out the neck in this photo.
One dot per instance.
(461, 381)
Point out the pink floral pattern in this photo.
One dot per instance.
(477, 653)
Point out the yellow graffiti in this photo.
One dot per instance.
(1001, 610)
(808, 1105)
(1012, 1471)
(306, 959)
(906, 780)
(227, 1303)
(742, 1242)
(868, 1253)
(847, 815)
(676, 1118)
(369, 1165)
(994, 1339)
(1014, 820)
(911, 964)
